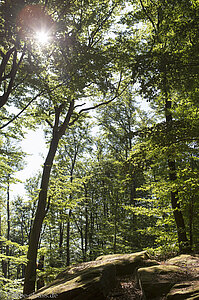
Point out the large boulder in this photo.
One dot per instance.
(156, 281)
(127, 264)
(186, 290)
(187, 262)
(92, 283)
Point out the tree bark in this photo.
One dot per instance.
(40, 281)
(61, 238)
(86, 234)
(70, 212)
(68, 239)
(30, 272)
(3, 262)
(8, 225)
(183, 242)
(58, 131)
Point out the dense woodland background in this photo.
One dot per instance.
(117, 178)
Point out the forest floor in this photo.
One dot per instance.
(126, 289)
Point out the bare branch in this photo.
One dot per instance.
(28, 104)
(148, 16)
(48, 122)
(102, 103)
(79, 105)
(101, 24)
(15, 117)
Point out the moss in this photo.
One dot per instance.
(185, 290)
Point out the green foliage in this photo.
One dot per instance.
(11, 289)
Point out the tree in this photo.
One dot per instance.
(85, 58)
(163, 52)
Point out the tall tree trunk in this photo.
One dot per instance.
(3, 262)
(70, 213)
(61, 238)
(7, 275)
(68, 239)
(91, 256)
(58, 131)
(30, 272)
(22, 243)
(184, 246)
(86, 223)
(86, 234)
(191, 213)
(115, 225)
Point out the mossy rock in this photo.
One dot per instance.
(95, 279)
(186, 261)
(143, 255)
(127, 264)
(93, 283)
(186, 290)
(156, 281)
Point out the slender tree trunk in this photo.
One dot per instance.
(61, 238)
(82, 241)
(30, 272)
(68, 239)
(91, 232)
(86, 223)
(115, 226)
(191, 213)
(22, 243)
(8, 226)
(70, 213)
(179, 220)
(4, 265)
(58, 131)
(86, 234)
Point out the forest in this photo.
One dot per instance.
(114, 86)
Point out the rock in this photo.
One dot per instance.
(188, 262)
(127, 264)
(182, 260)
(156, 281)
(95, 279)
(92, 283)
(185, 290)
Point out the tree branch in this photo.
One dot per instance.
(102, 103)
(15, 117)
(148, 16)
(5, 60)
(28, 104)
(67, 119)
(11, 75)
(101, 23)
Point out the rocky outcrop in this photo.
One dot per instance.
(122, 275)
(156, 281)
(127, 264)
(177, 278)
(184, 290)
(93, 280)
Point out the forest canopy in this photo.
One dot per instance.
(118, 177)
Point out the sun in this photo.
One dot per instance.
(42, 37)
